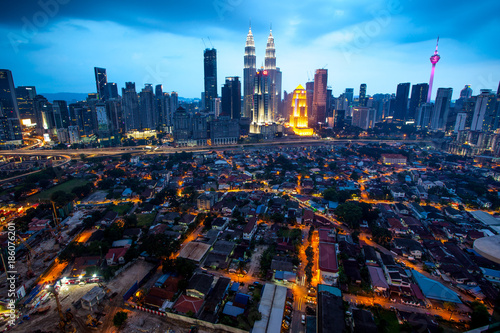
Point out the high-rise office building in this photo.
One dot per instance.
(441, 109)
(25, 100)
(100, 81)
(210, 74)
(363, 117)
(298, 117)
(110, 90)
(401, 104)
(249, 70)
(434, 60)
(61, 114)
(10, 130)
(310, 97)
(146, 107)
(362, 94)
(349, 95)
(261, 98)
(423, 116)
(485, 117)
(130, 105)
(466, 92)
(159, 100)
(319, 97)
(418, 97)
(231, 98)
(174, 105)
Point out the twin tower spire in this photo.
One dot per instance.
(270, 59)
(250, 67)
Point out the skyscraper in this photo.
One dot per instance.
(25, 101)
(174, 105)
(130, 105)
(261, 98)
(101, 79)
(159, 100)
(231, 98)
(418, 97)
(110, 90)
(401, 105)
(270, 67)
(319, 97)
(10, 130)
(146, 107)
(210, 72)
(349, 95)
(466, 92)
(362, 94)
(434, 60)
(310, 97)
(485, 118)
(249, 70)
(61, 114)
(441, 108)
(298, 116)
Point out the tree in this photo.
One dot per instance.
(120, 318)
(480, 316)
(126, 157)
(349, 213)
(331, 194)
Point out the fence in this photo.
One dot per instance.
(191, 321)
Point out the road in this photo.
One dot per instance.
(386, 304)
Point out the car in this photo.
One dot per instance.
(303, 319)
(288, 318)
(251, 287)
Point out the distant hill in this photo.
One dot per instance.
(68, 97)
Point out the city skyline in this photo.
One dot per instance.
(358, 44)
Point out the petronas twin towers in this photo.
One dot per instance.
(261, 88)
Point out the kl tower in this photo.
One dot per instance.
(434, 60)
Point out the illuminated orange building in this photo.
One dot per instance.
(298, 117)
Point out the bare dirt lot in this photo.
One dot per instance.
(145, 322)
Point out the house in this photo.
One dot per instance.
(37, 224)
(410, 247)
(132, 232)
(394, 159)
(220, 223)
(109, 218)
(377, 278)
(328, 265)
(116, 256)
(397, 192)
(199, 285)
(206, 201)
(187, 305)
(250, 229)
(82, 263)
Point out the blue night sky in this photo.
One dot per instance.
(380, 43)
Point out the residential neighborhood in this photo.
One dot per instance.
(350, 237)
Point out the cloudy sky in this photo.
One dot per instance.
(54, 44)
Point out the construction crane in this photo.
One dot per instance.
(56, 220)
(30, 256)
(64, 320)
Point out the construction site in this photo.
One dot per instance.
(37, 253)
(91, 307)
